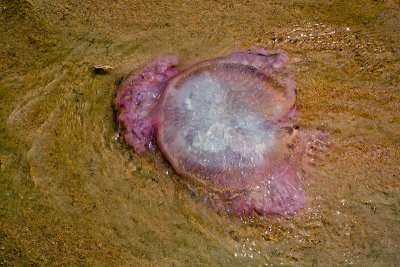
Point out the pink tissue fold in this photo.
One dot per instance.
(137, 98)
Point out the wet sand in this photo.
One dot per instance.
(71, 192)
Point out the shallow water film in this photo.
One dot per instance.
(71, 191)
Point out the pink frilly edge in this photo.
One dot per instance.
(137, 98)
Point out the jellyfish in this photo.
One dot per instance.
(228, 126)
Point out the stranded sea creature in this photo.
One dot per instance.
(227, 125)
